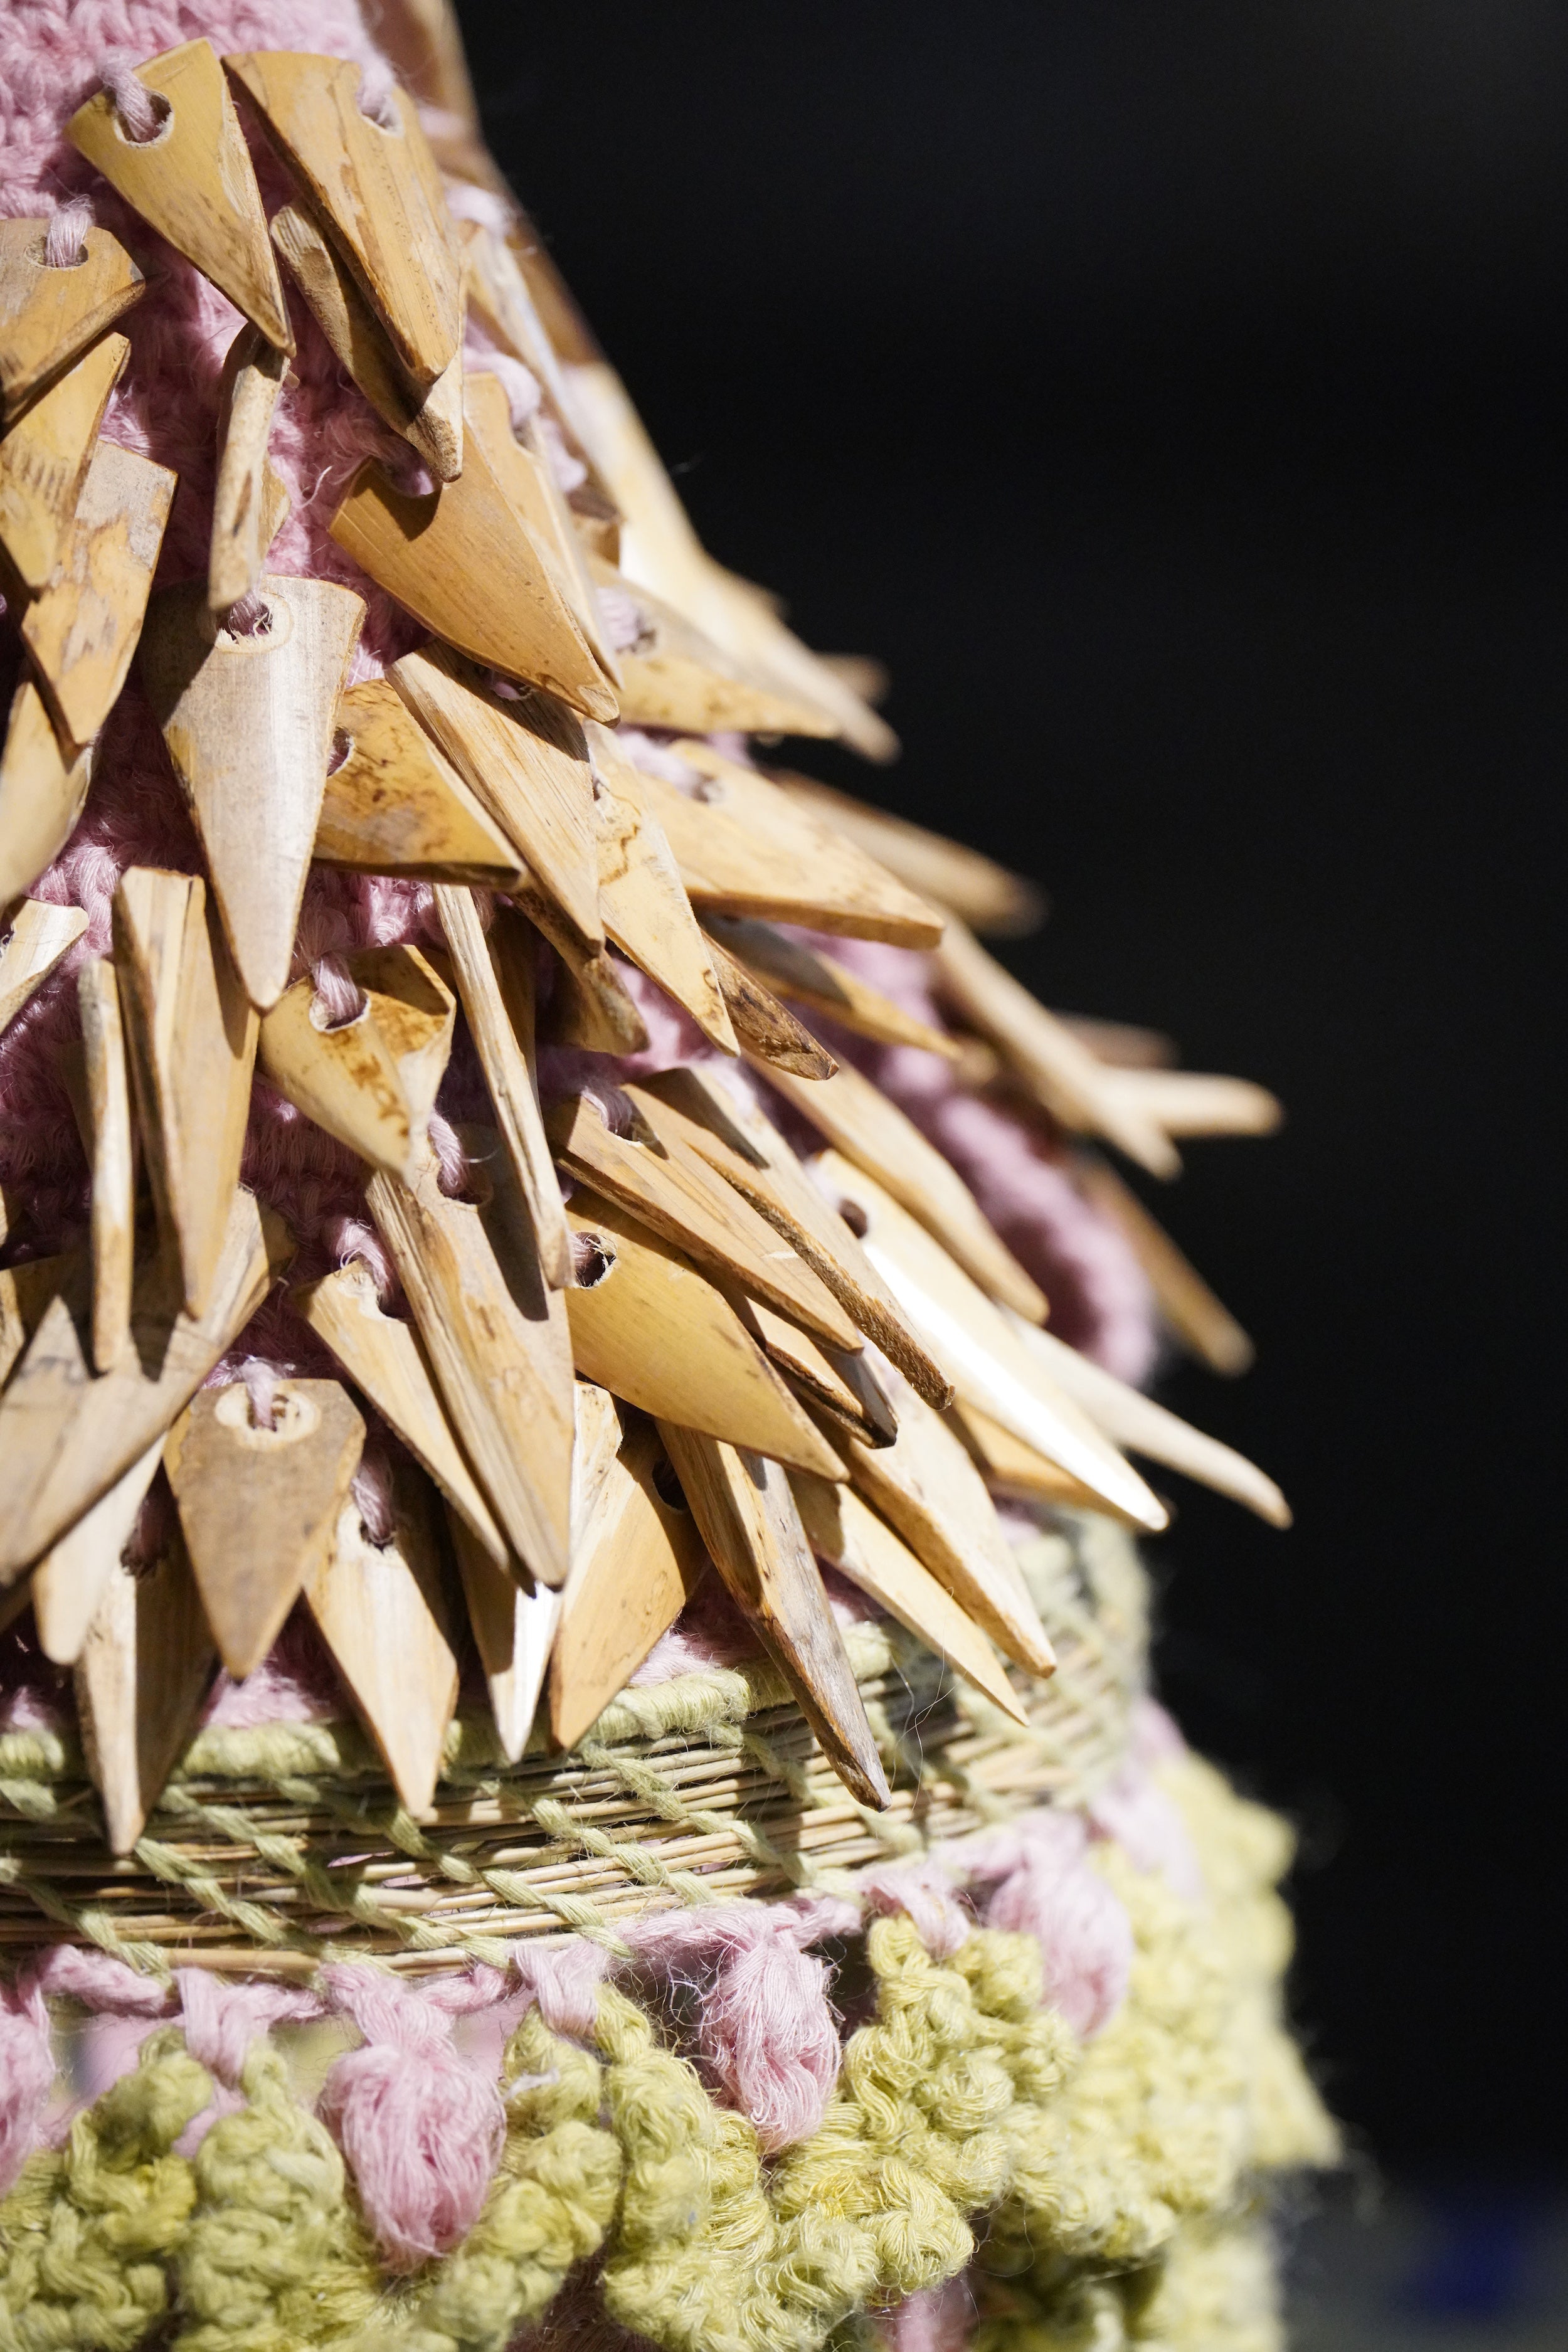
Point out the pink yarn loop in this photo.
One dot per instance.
(142, 112)
(27, 2073)
(339, 998)
(1047, 1890)
(564, 1980)
(65, 239)
(221, 2020)
(925, 1890)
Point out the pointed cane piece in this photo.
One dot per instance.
(746, 848)
(498, 1358)
(64, 1437)
(768, 1030)
(843, 1530)
(248, 722)
(695, 1210)
(808, 977)
(192, 1048)
(193, 180)
(1010, 1468)
(600, 1434)
(68, 1581)
(527, 762)
(744, 1507)
(528, 480)
(382, 1613)
(113, 1156)
(397, 806)
(513, 1629)
(81, 630)
(833, 1382)
(498, 295)
(1203, 1324)
(377, 190)
(371, 1081)
(689, 1107)
(1195, 1102)
(27, 1292)
(384, 1357)
(461, 559)
(44, 457)
(514, 960)
(675, 676)
(981, 893)
(253, 376)
(41, 933)
(858, 1119)
(642, 899)
(634, 1569)
(42, 793)
(428, 418)
(590, 1005)
(140, 1680)
(258, 1505)
(647, 1326)
(48, 317)
(509, 1078)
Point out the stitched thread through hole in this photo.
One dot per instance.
(592, 1259)
(142, 112)
(65, 239)
(342, 745)
(250, 617)
(339, 999)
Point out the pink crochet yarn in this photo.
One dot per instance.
(1049, 1891)
(27, 2073)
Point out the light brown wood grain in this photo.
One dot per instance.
(1192, 1312)
(747, 1517)
(25, 1292)
(1195, 1102)
(500, 298)
(590, 1005)
(633, 1568)
(527, 762)
(513, 1628)
(858, 1119)
(44, 459)
(382, 1612)
(674, 675)
(495, 1337)
(65, 1436)
(192, 1033)
(523, 469)
(832, 1381)
(42, 792)
(40, 934)
(250, 722)
(1009, 1467)
(253, 376)
(642, 899)
(81, 629)
(394, 805)
(980, 892)
(376, 190)
(647, 1327)
(259, 1503)
(68, 1581)
(766, 1030)
(843, 1530)
(112, 1157)
(808, 977)
(429, 417)
(193, 180)
(371, 1081)
(141, 1677)
(49, 317)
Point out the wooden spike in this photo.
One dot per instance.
(768, 1031)
(395, 806)
(642, 900)
(253, 376)
(1058, 1068)
(833, 1382)
(590, 1005)
(249, 723)
(430, 419)
(1135, 1421)
(843, 1530)
(40, 934)
(384, 1357)
(501, 299)
(675, 676)
(981, 893)
(745, 848)
(259, 1505)
(49, 317)
(1192, 1102)
(1009, 1467)
(42, 793)
(193, 181)
(1120, 1044)
(193, 1047)
(112, 1156)
(507, 1074)
(980, 1347)
(600, 1435)
(523, 469)
(689, 1206)
(633, 1568)
(140, 1677)
(496, 1339)
(927, 1487)
(377, 190)
(858, 1119)
(513, 1629)
(44, 459)
(382, 1613)
(808, 977)
(1206, 1327)
(371, 1081)
(64, 1437)
(743, 1507)
(81, 630)
(527, 762)
(461, 559)
(68, 1581)
(688, 1108)
(649, 1327)
(14, 1599)
(27, 1292)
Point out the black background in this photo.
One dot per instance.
(1172, 396)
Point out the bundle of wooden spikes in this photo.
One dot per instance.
(632, 1334)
